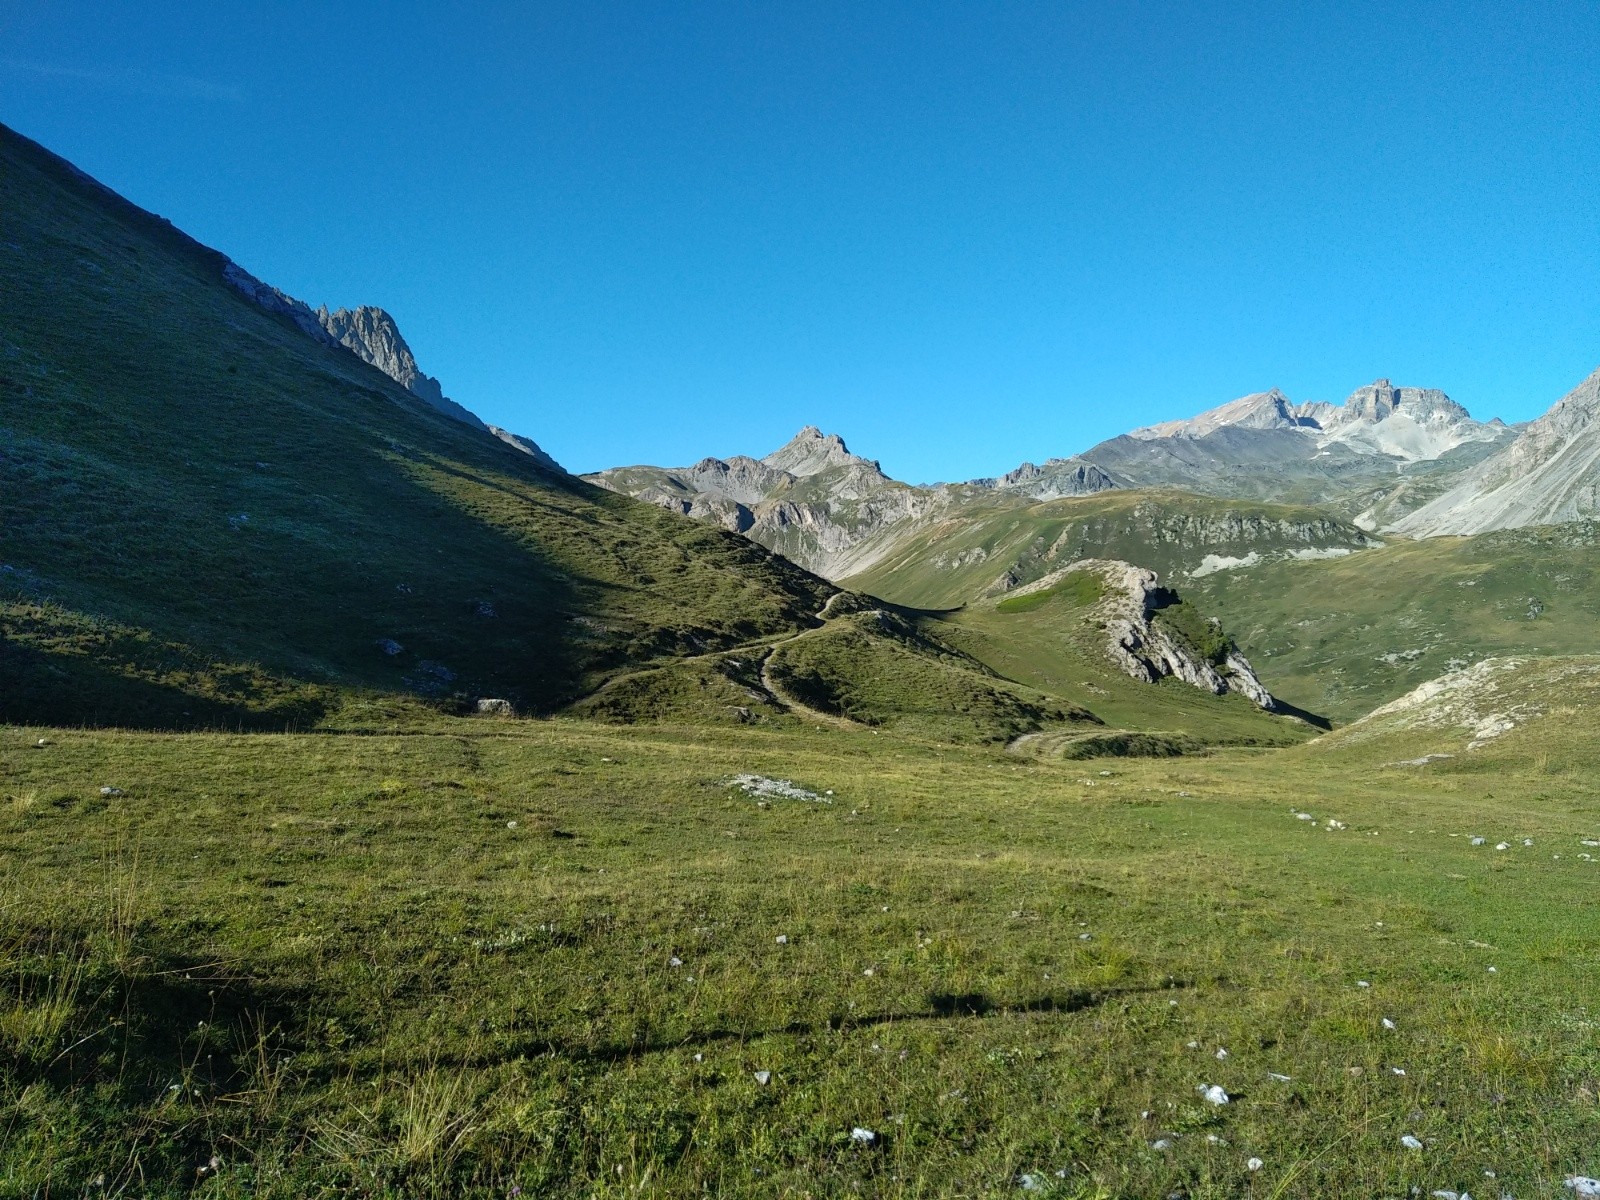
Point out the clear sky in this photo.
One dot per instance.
(961, 235)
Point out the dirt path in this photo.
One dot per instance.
(767, 649)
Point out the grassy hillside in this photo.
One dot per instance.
(212, 519)
(555, 956)
(1049, 640)
(1345, 635)
(996, 542)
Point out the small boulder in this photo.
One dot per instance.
(490, 707)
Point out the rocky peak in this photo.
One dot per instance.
(810, 452)
(372, 336)
(1259, 410)
(1380, 400)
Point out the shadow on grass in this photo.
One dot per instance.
(1285, 709)
(941, 1006)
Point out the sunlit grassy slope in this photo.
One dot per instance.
(211, 519)
(556, 956)
(988, 540)
(1051, 641)
(1342, 636)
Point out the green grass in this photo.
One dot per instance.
(1084, 588)
(1056, 647)
(993, 542)
(1342, 636)
(440, 965)
(884, 669)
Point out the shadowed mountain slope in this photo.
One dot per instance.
(214, 516)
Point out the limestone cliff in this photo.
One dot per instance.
(1149, 649)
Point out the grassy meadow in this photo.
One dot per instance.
(497, 958)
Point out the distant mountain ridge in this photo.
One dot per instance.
(1385, 450)
(1549, 475)
(1404, 422)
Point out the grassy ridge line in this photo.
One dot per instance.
(966, 555)
(344, 1007)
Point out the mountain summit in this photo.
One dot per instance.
(811, 452)
(1408, 423)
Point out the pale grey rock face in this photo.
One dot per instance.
(373, 337)
(1548, 475)
(1058, 478)
(1259, 410)
(1140, 647)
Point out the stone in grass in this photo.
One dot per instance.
(1034, 1181)
(108, 790)
(1213, 1094)
(763, 1077)
(1584, 1187)
(1411, 1143)
(783, 789)
(1253, 1164)
(863, 1136)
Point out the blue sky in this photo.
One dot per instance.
(961, 235)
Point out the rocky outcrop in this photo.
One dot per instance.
(1549, 475)
(528, 446)
(275, 301)
(1058, 478)
(372, 336)
(1147, 649)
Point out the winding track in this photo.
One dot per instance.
(768, 650)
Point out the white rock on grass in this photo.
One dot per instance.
(1584, 1187)
(1276, 1078)
(782, 939)
(1388, 1024)
(1478, 841)
(1253, 1164)
(1411, 1143)
(1213, 1094)
(782, 789)
(1221, 1054)
(763, 1077)
(864, 1136)
(112, 791)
